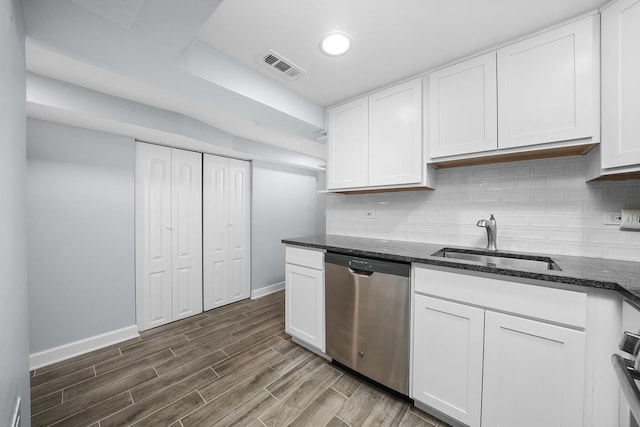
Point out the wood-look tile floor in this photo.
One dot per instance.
(231, 366)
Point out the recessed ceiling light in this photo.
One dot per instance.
(335, 44)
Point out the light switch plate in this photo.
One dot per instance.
(612, 218)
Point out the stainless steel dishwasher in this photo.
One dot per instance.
(367, 305)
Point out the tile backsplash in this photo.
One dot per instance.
(540, 206)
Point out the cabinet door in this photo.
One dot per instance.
(304, 304)
(546, 87)
(447, 359)
(395, 135)
(239, 230)
(153, 235)
(463, 108)
(186, 241)
(621, 84)
(348, 145)
(533, 373)
(215, 231)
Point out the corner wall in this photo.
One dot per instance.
(283, 205)
(14, 351)
(80, 218)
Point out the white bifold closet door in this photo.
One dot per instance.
(226, 230)
(168, 234)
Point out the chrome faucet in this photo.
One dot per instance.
(492, 232)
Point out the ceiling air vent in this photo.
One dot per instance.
(283, 66)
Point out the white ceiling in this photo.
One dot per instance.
(197, 59)
(392, 40)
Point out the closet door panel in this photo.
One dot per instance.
(239, 229)
(215, 231)
(153, 235)
(184, 293)
(157, 295)
(186, 233)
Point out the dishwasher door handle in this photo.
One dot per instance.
(360, 273)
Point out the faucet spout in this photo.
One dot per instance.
(492, 232)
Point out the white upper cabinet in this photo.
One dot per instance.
(535, 95)
(376, 141)
(395, 135)
(621, 84)
(348, 145)
(463, 107)
(546, 86)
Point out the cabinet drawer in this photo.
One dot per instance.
(551, 304)
(311, 258)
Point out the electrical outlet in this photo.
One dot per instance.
(370, 214)
(612, 218)
(630, 219)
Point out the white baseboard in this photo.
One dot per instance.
(263, 292)
(67, 351)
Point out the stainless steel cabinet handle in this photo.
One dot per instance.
(625, 374)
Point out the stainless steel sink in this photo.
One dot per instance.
(499, 259)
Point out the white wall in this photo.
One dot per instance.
(80, 219)
(57, 101)
(321, 203)
(283, 205)
(540, 206)
(14, 351)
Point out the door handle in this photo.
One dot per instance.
(360, 273)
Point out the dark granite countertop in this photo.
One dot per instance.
(620, 276)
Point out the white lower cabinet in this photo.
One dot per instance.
(483, 367)
(447, 367)
(533, 373)
(304, 296)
